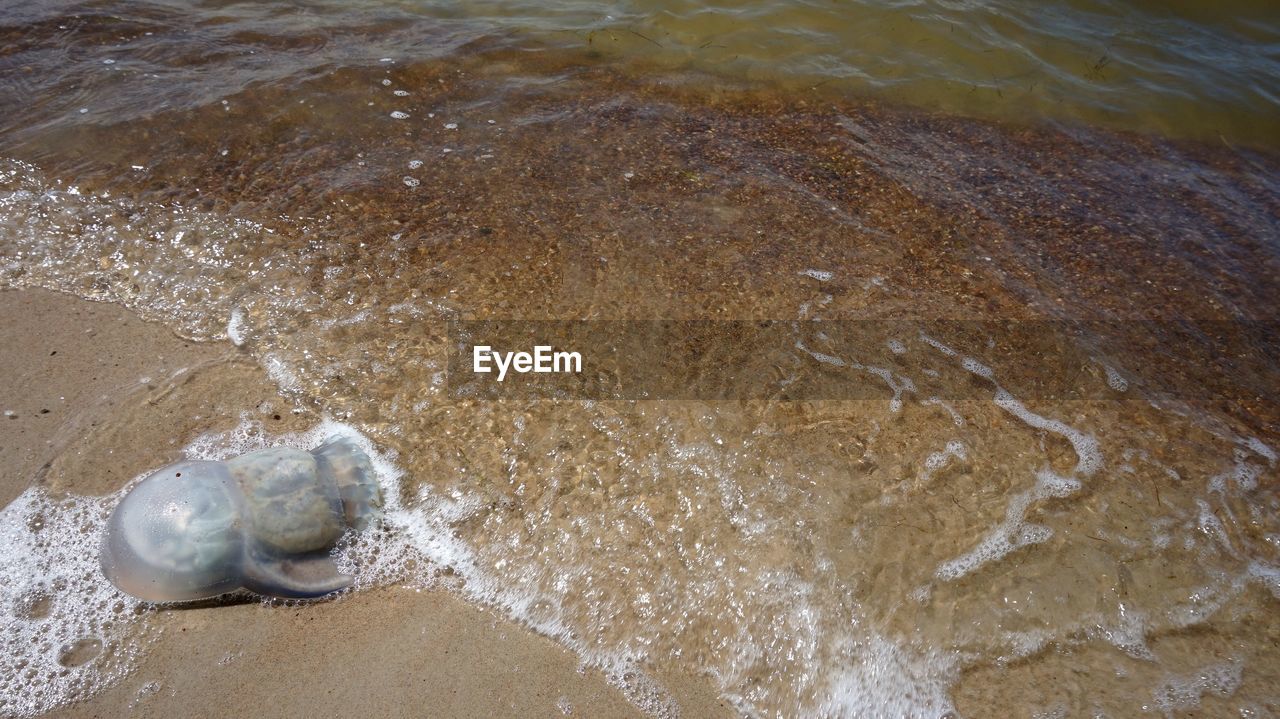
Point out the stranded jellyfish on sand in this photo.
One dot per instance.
(263, 521)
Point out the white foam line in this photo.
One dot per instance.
(906, 385)
(1260, 449)
(1014, 532)
(937, 345)
(421, 545)
(1088, 454)
(235, 327)
(819, 275)
(899, 386)
(821, 357)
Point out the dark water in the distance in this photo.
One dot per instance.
(1180, 68)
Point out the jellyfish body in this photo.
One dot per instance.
(264, 521)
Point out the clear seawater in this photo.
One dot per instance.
(329, 185)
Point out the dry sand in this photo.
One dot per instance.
(99, 396)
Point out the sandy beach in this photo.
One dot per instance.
(100, 396)
(923, 359)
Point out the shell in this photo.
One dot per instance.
(264, 521)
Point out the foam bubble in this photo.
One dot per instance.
(1267, 575)
(1089, 455)
(1210, 526)
(882, 679)
(65, 632)
(1056, 712)
(1115, 380)
(819, 275)
(938, 460)
(1013, 532)
(1244, 474)
(235, 327)
(977, 368)
(1184, 693)
(281, 373)
(1205, 601)
(139, 255)
(356, 318)
(1128, 633)
(1022, 644)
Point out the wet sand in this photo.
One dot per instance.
(122, 396)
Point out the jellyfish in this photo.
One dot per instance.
(264, 521)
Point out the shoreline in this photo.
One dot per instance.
(409, 648)
(980, 540)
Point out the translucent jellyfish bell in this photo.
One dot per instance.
(264, 521)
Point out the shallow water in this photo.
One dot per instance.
(996, 527)
(1177, 68)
